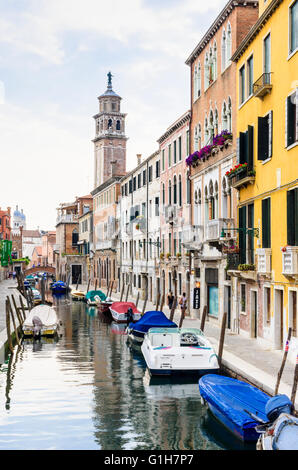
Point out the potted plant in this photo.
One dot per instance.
(162, 255)
(137, 226)
(246, 267)
(168, 255)
(178, 255)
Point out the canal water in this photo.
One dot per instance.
(90, 390)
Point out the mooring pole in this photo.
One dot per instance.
(222, 338)
(294, 389)
(122, 292)
(283, 361)
(203, 318)
(183, 310)
(157, 300)
(22, 307)
(137, 301)
(17, 309)
(127, 292)
(8, 325)
(173, 308)
(162, 302)
(145, 302)
(13, 320)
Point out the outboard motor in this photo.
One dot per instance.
(277, 405)
(129, 316)
(37, 325)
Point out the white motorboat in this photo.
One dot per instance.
(179, 351)
(41, 321)
(122, 312)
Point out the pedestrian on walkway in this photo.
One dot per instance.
(183, 301)
(170, 300)
(14, 275)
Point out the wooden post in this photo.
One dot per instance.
(283, 361)
(145, 302)
(79, 278)
(203, 318)
(222, 338)
(162, 302)
(22, 307)
(294, 388)
(8, 325)
(122, 292)
(173, 308)
(17, 309)
(157, 300)
(88, 285)
(13, 320)
(127, 292)
(42, 288)
(137, 301)
(183, 310)
(95, 288)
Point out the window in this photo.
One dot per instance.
(229, 45)
(267, 54)
(292, 119)
(265, 136)
(169, 156)
(180, 149)
(294, 27)
(246, 238)
(223, 51)
(175, 152)
(157, 169)
(150, 174)
(250, 76)
(134, 183)
(243, 297)
(163, 160)
(163, 194)
(170, 193)
(144, 178)
(187, 142)
(175, 190)
(157, 206)
(267, 304)
(242, 84)
(245, 147)
(139, 180)
(118, 126)
(180, 191)
(292, 217)
(266, 223)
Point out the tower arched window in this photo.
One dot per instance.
(110, 123)
(118, 126)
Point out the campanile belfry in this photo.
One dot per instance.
(110, 139)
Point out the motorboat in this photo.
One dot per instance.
(122, 312)
(59, 287)
(181, 351)
(36, 296)
(31, 280)
(104, 305)
(236, 404)
(152, 319)
(77, 294)
(93, 297)
(280, 432)
(41, 321)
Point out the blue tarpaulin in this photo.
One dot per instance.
(152, 319)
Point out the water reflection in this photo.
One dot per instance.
(90, 390)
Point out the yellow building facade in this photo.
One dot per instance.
(265, 274)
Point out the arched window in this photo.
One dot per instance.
(216, 122)
(206, 72)
(229, 115)
(110, 123)
(163, 194)
(211, 125)
(223, 50)
(224, 199)
(229, 45)
(118, 126)
(196, 139)
(195, 83)
(175, 190)
(224, 117)
(170, 193)
(180, 191)
(199, 136)
(214, 60)
(199, 79)
(75, 237)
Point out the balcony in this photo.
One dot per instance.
(290, 261)
(262, 86)
(67, 218)
(106, 245)
(214, 228)
(264, 261)
(242, 178)
(192, 237)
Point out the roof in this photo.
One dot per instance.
(216, 25)
(176, 125)
(31, 233)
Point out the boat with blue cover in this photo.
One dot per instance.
(59, 287)
(152, 319)
(233, 402)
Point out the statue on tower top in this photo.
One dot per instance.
(110, 79)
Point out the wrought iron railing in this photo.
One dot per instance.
(263, 83)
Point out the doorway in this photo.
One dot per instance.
(76, 273)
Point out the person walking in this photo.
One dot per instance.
(183, 301)
(170, 300)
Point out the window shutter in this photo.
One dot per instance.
(266, 223)
(242, 234)
(291, 121)
(243, 147)
(296, 102)
(292, 217)
(263, 138)
(250, 147)
(270, 133)
(286, 122)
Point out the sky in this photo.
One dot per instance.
(54, 60)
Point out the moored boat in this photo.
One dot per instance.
(152, 319)
(41, 321)
(182, 351)
(234, 402)
(93, 297)
(122, 312)
(36, 296)
(77, 294)
(59, 287)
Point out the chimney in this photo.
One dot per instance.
(139, 158)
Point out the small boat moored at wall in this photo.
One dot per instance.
(182, 351)
(59, 287)
(36, 296)
(152, 319)
(41, 321)
(77, 294)
(231, 400)
(93, 297)
(122, 312)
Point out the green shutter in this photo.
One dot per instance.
(243, 147)
(263, 138)
(250, 147)
(291, 121)
(292, 217)
(242, 234)
(266, 223)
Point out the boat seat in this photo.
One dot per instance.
(188, 339)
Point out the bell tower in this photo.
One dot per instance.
(110, 139)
